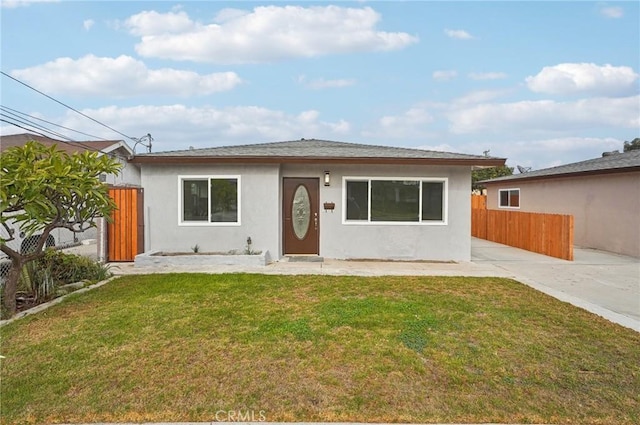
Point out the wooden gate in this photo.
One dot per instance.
(125, 232)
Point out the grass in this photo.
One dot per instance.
(181, 347)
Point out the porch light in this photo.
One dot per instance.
(327, 178)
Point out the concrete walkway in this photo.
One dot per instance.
(603, 283)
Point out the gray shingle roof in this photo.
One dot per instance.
(313, 149)
(13, 140)
(619, 162)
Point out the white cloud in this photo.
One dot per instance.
(444, 75)
(479, 96)
(544, 153)
(528, 133)
(413, 123)
(229, 14)
(88, 23)
(458, 34)
(487, 75)
(585, 78)
(12, 4)
(546, 116)
(321, 83)
(122, 77)
(265, 34)
(180, 126)
(613, 12)
(152, 23)
(340, 127)
(443, 147)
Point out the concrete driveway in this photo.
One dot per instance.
(603, 283)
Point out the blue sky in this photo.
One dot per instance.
(540, 83)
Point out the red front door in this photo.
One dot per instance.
(300, 214)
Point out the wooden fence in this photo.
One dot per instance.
(478, 201)
(548, 234)
(125, 232)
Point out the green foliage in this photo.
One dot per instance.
(488, 173)
(632, 145)
(37, 281)
(43, 188)
(69, 268)
(47, 188)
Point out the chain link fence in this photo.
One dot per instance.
(58, 238)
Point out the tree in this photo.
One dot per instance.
(632, 145)
(488, 173)
(43, 189)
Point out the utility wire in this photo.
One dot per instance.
(51, 123)
(67, 106)
(38, 126)
(25, 128)
(52, 132)
(73, 143)
(59, 136)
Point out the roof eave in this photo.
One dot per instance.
(564, 175)
(492, 162)
(119, 144)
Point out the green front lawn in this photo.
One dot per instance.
(183, 347)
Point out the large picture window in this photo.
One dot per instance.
(509, 198)
(209, 199)
(395, 200)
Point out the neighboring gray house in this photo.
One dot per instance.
(311, 197)
(129, 176)
(602, 194)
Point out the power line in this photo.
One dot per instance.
(33, 124)
(67, 106)
(46, 130)
(28, 129)
(73, 143)
(51, 123)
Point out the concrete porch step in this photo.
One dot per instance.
(304, 259)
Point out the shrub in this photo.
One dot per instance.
(69, 268)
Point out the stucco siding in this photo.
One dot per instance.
(385, 241)
(605, 207)
(259, 210)
(129, 174)
(261, 213)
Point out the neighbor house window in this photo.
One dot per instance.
(509, 198)
(209, 199)
(395, 200)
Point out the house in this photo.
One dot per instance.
(602, 194)
(311, 197)
(129, 176)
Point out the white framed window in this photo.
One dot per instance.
(395, 200)
(509, 198)
(209, 200)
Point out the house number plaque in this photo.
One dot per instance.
(301, 212)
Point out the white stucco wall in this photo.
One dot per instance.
(399, 241)
(260, 200)
(129, 175)
(605, 207)
(261, 217)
